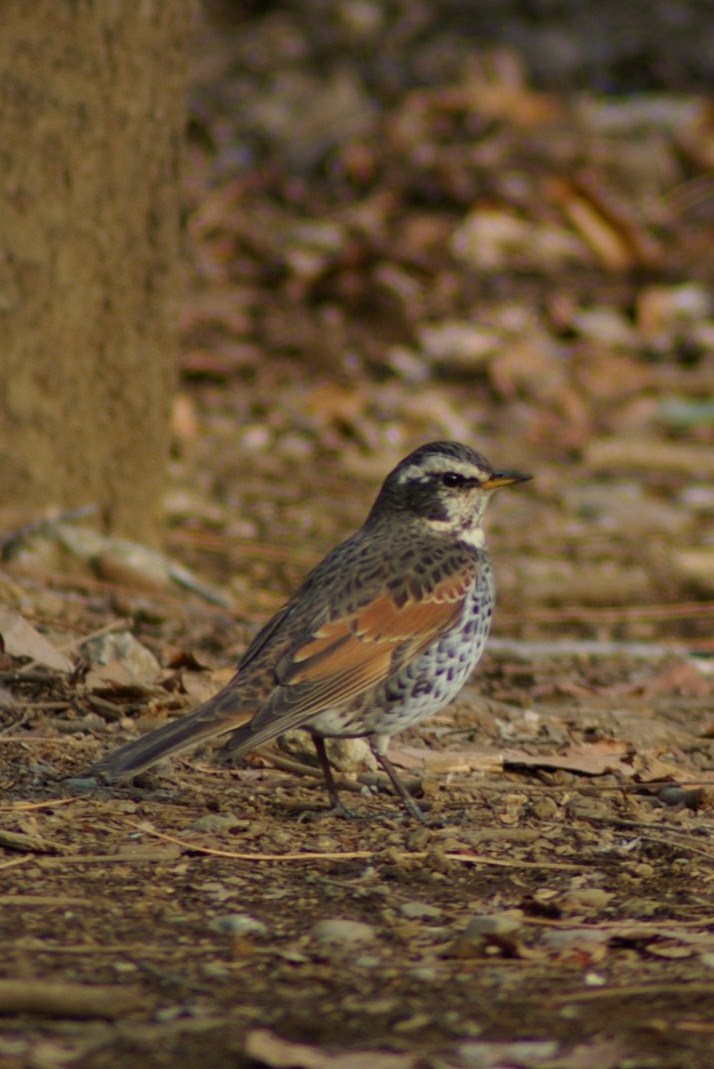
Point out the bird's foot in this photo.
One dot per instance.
(414, 811)
(335, 809)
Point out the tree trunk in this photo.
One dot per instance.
(92, 98)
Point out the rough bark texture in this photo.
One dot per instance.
(91, 123)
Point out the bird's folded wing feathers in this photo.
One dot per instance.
(348, 656)
(325, 668)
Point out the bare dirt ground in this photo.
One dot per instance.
(395, 235)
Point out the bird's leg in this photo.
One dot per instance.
(335, 801)
(409, 804)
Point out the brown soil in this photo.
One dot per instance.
(557, 909)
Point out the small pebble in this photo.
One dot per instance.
(585, 899)
(485, 933)
(339, 932)
(81, 784)
(492, 926)
(123, 647)
(420, 911)
(680, 796)
(239, 924)
(215, 822)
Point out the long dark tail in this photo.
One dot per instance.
(220, 714)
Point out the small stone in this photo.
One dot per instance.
(585, 900)
(121, 646)
(420, 911)
(605, 325)
(695, 566)
(216, 970)
(132, 565)
(81, 784)
(338, 932)
(544, 808)
(459, 342)
(414, 1023)
(661, 310)
(125, 966)
(486, 933)
(239, 924)
(493, 926)
(215, 822)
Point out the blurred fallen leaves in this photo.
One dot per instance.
(20, 639)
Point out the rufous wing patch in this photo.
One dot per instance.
(346, 657)
(369, 636)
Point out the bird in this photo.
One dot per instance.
(384, 632)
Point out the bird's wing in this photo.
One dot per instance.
(349, 654)
(305, 662)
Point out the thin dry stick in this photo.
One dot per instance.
(49, 705)
(48, 803)
(53, 901)
(102, 859)
(158, 858)
(146, 950)
(47, 523)
(51, 998)
(90, 584)
(20, 840)
(654, 927)
(587, 785)
(347, 855)
(416, 855)
(677, 839)
(34, 740)
(17, 861)
(215, 852)
(679, 987)
(480, 859)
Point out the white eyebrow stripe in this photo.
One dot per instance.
(440, 465)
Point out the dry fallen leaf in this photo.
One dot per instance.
(445, 761)
(590, 759)
(616, 237)
(271, 1050)
(21, 639)
(117, 678)
(679, 676)
(532, 1053)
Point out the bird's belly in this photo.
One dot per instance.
(423, 686)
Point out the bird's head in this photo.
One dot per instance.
(445, 486)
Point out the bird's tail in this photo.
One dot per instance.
(222, 713)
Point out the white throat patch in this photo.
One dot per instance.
(470, 536)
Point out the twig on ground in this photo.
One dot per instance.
(44, 998)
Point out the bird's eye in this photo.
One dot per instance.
(452, 479)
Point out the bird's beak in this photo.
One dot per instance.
(504, 478)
